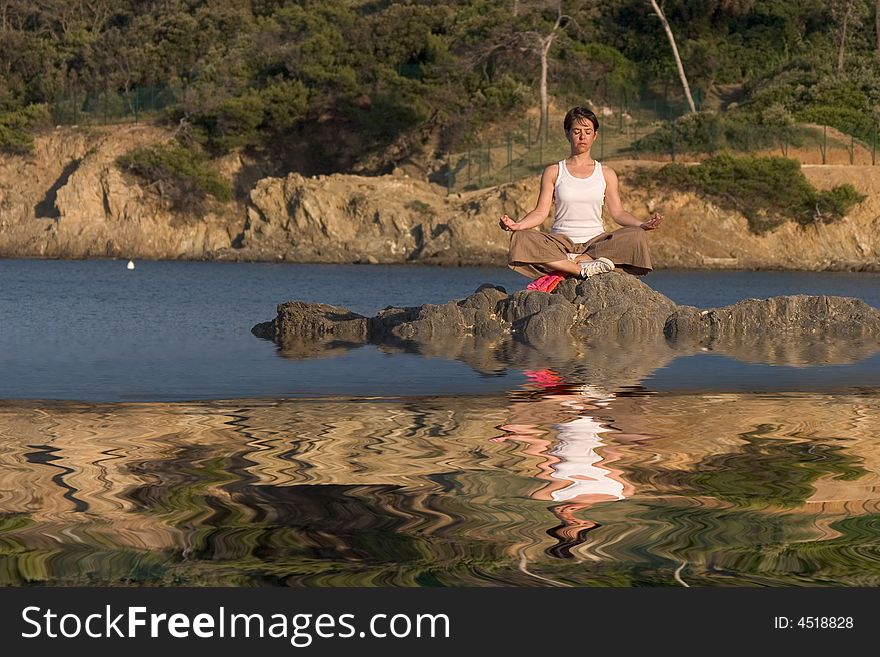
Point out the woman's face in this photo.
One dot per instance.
(581, 136)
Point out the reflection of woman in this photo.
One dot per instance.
(577, 442)
(577, 244)
(576, 475)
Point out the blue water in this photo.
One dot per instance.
(95, 331)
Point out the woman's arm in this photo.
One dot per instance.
(542, 208)
(615, 207)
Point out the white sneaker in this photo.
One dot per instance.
(598, 266)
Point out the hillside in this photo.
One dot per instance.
(70, 200)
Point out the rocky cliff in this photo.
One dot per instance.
(69, 200)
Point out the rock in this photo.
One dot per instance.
(70, 200)
(794, 316)
(620, 305)
(613, 314)
(318, 321)
(796, 329)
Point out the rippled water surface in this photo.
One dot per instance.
(542, 487)
(146, 437)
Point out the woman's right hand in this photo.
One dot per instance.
(507, 223)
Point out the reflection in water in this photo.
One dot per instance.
(575, 472)
(554, 483)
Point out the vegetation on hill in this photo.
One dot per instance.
(365, 83)
(17, 125)
(767, 190)
(181, 175)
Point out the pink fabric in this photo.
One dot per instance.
(543, 378)
(546, 283)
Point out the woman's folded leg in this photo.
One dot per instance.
(626, 247)
(531, 250)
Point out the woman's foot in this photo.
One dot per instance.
(598, 266)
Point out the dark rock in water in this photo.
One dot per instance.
(308, 330)
(798, 315)
(315, 321)
(612, 312)
(795, 329)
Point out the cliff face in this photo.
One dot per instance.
(699, 234)
(387, 219)
(69, 200)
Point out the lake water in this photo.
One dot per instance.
(94, 331)
(147, 437)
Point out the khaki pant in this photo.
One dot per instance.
(531, 250)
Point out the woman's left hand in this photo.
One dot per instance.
(507, 223)
(653, 222)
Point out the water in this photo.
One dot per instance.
(541, 489)
(147, 438)
(94, 331)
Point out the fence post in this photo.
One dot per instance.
(824, 143)
(489, 158)
(874, 148)
(673, 140)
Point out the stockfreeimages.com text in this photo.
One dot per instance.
(301, 629)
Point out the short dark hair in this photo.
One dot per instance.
(577, 114)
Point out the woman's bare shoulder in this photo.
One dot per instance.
(608, 172)
(551, 171)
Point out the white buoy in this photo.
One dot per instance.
(130, 264)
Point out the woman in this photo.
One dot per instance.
(577, 244)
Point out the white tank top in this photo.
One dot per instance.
(579, 204)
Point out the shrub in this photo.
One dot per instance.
(676, 175)
(836, 202)
(767, 190)
(16, 128)
(253, 118)
(181, 174)
(701, 133)
(709, 132)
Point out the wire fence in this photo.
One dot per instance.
(77, 107)
(520, 153)
(626, 118)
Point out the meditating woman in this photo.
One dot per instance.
(577, 244)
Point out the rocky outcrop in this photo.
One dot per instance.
(70, 200)
(782, 330)
(796, 316)
(698, 234)
(393, 219)
(385, 219)
(616, 312)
